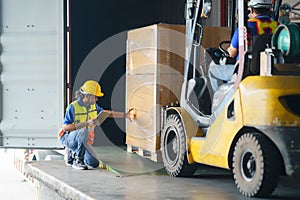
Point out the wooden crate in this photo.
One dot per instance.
(154, 68)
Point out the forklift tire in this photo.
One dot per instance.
(173, 148)
(255, 165)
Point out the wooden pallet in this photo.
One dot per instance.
(154, 156)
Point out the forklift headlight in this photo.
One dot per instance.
(291, 103)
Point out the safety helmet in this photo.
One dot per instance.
(260, 3)
(91, 87)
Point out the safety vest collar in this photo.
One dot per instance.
(262, 17)
(80, 102)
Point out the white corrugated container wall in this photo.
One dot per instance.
(32, 73)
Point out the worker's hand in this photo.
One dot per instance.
(131, 114)
(92, 122)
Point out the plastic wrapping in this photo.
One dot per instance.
(154, 76)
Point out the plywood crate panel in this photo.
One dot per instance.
(147, 96)
(155, 48)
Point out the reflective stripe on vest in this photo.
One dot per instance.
(81, 114)
(263, 27)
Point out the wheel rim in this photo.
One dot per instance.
(171, 146)
(248, 165)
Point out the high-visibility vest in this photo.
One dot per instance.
(81, 114)
(262, 27)
(266, 26)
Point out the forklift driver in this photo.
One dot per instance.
(259, 22)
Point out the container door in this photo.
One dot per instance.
(32, 68)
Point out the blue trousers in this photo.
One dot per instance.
(77, 142)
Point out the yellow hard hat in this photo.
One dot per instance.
(91, 87)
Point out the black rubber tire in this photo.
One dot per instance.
(173, 148)
(255, 165)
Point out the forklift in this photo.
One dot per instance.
(251, 124)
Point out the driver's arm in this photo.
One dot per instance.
(232, 51)
(233, 48)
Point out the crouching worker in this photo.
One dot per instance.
(77, 133)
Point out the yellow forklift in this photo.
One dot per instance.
(250, 124)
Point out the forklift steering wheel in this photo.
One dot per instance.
(224, 52)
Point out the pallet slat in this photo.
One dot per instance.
(154, 156)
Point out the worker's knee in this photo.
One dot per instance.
(83, 135)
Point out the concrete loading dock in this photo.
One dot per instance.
(60, 182)
(56, 181)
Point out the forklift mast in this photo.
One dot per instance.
(191, 17)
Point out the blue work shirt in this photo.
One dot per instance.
(69, 116)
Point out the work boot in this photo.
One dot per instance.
(70, 158)
(78, 163)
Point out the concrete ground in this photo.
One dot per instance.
(100, 184)
(137, 178)
(13, 184)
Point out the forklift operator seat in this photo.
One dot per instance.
(259, 43)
